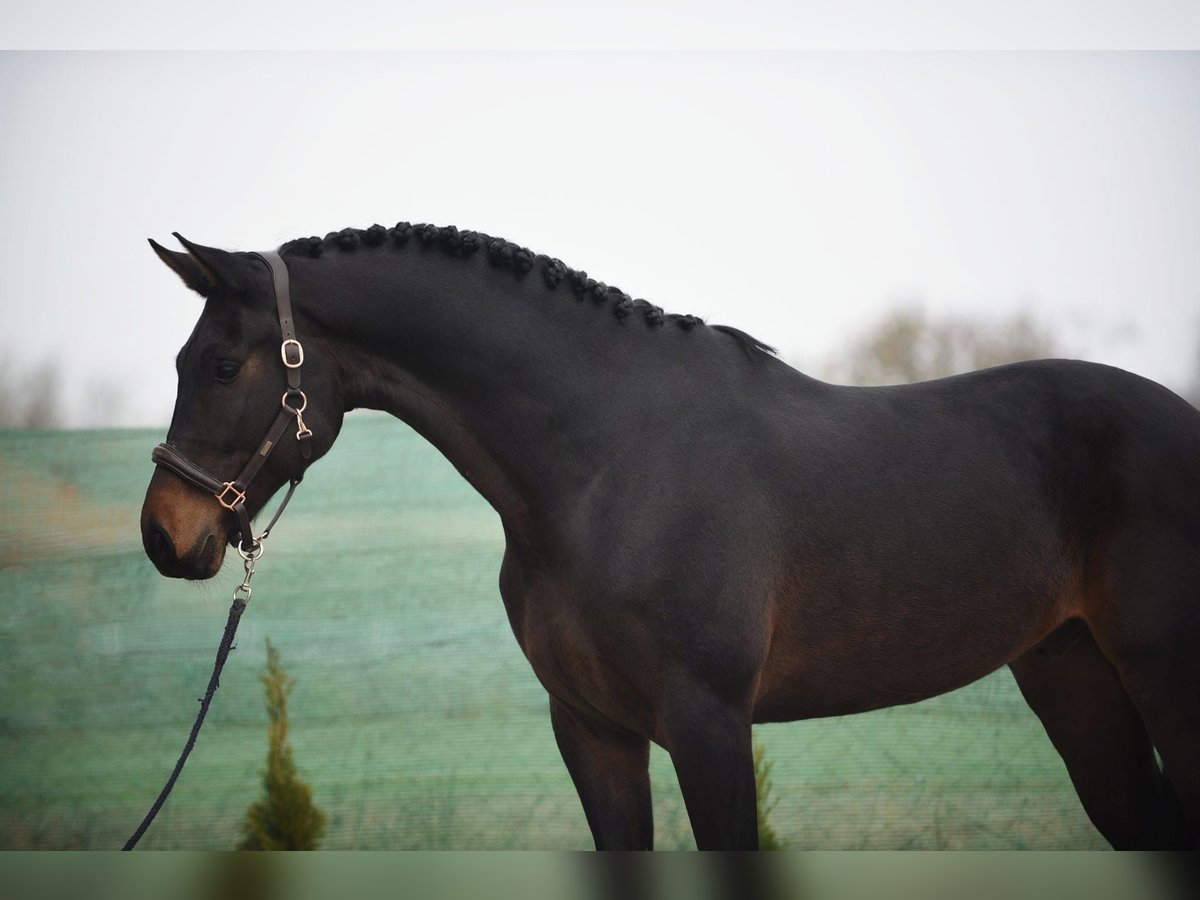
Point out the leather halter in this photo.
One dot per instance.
(232, 494)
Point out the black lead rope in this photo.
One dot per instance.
(235, 613)
(241, 596)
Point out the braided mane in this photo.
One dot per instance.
(505, 254)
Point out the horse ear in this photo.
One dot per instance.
(222, 268)
(185, 267)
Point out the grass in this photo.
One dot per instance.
(415, 718)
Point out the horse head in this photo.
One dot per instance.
(235, 380)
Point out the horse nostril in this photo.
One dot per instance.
(159, 546)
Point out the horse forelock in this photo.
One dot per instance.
(504, 254)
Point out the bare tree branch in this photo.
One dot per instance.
(907, 345)
(32, 397)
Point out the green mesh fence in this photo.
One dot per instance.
(415, 717)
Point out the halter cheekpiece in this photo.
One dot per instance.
(232, 494)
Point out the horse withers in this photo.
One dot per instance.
(699, 537)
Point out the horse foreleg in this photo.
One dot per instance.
(710, 746)
(611, 772)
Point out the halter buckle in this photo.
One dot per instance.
(239, 497)
(299, 353)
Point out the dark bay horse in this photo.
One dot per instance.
(699, 537)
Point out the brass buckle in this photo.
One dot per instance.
(283, 353)
(239, 497)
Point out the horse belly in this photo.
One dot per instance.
(869, 640)
(838, 683)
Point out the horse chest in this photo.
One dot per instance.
(573, 657)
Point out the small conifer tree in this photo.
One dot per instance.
(767, 838)
(284, 818)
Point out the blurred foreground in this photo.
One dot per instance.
(550, 876)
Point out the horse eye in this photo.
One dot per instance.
(227, 370)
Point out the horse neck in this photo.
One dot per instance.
(528, 391)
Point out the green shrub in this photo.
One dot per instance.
(767, 838)
(284, 818)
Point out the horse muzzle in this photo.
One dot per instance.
(181, 533)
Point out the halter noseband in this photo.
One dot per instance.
(232, 494)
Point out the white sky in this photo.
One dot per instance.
(795, 195)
